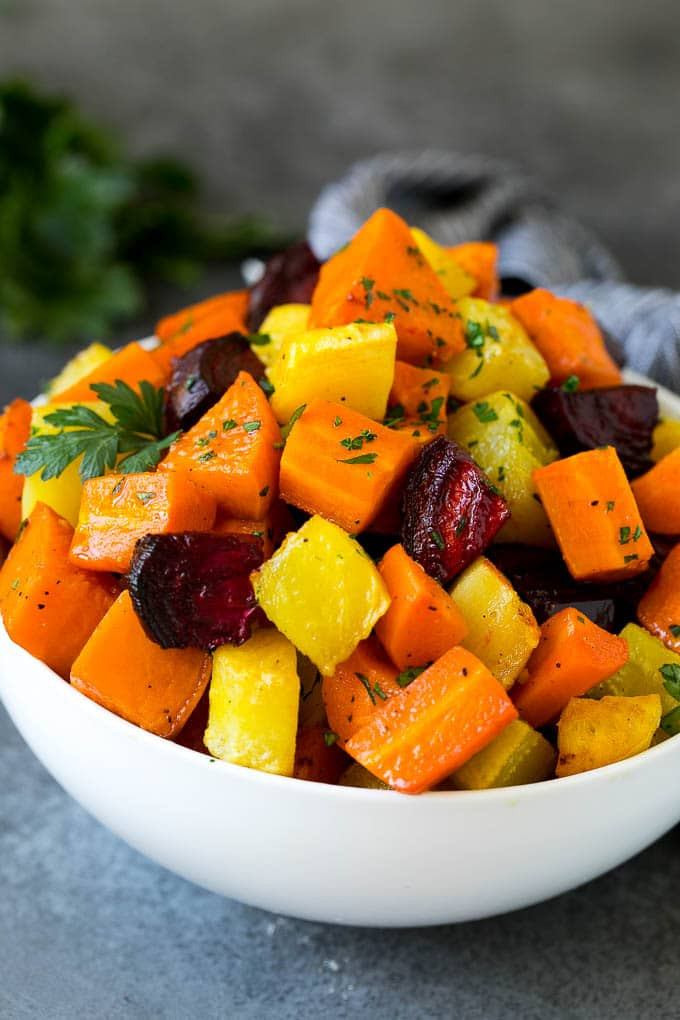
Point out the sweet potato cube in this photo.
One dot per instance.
(322, 591)
(254, 695)
(131, 364)
(437, 723)
(318, 758)
(480, 260)
(594, 516)
(230, 303)
(657, 494)
(123, 670)
(344, 466)
(572, 656)
(568, 337)
(15, 424)
(116, 510)
(357, 688)
(422, 622)
(232, 451)
(49, 606)
(457, 282)
(381, 276)
(517, 756)
(591, 734)
(352, 365)
(501, 629)
(659, 607)
(419, 392)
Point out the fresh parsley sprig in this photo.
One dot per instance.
(133, 442)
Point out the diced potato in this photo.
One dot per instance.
(78, 367)
(352, 365)
(322, 591)
(356, 775)
(281, 322)
(502, 631)
(642, 673)
(254, 694)
(62, 493)
(498, 353)
(595, 733)
(517, 756)
(666, 439)
(455, 281)
(507, 440)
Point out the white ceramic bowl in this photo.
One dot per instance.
(338, 854)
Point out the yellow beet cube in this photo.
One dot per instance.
(596, 733)
(507, 440)
(281, 322)
(642, 674)
(351, 365)
(254, 695)
(502, 630)
(78, 367)
(456, 282)
(62, 493)
(666, 439)
(322, 591)
(517, 756)
(498, 353)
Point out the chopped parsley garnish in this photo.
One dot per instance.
(205, 457)
(461, 526)
(483, 412)
(624, 535)
(330, 738)
(670, 723)
(630, 558)
(368, 285)
(338, 421)
(610, 505)
(571, 384)
(229, 424)
(675, 629)
(389, 316)
(252, 426)
(266, 386)
(357, 442)
(409, 675)
(297, 413)
(437, 539)
(671, 679)
(144, 497)
(364, 458)
(367, 684)
(637, 533)
(395, 415)
(259, 339)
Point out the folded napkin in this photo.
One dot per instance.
(458, 198)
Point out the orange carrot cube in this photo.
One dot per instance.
(357, 688)
(479, 259)
(658, 495)
(659, 607)
(131, 364)
(15, 426)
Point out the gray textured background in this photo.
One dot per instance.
(269, 100)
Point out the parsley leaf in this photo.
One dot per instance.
(671, 679)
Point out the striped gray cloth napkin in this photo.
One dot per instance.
(457, 198)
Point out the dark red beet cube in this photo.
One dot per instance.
(193, 590)
(290, 278)
(451, 511)
(620, 416)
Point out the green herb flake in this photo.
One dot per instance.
(637, 533)
(483, 412)
(389, 316)
(117, 487)
(364, 458)
(671, 679)
(266, 386)
(675, 630)
(259, 339)
(379, 691)
(436, 537)
(229, 424)
(409, 675)
(630, 558)
(624, 535)
(252, 426)
(15, 584)
(610, 505)
(580, 619)
(297, 413)
(368, 285)
(670, 723)
(190, 383)
(263, 492)
(337, 421)
(571, 384)
(366, 683)
(144, 497)
(205, 457)
(461, 526)
(330, 738)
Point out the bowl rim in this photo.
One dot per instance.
(669, 403)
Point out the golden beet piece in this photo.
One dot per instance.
(596, 733)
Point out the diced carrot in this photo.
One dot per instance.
(357, 688)
(232, 301)
(422, 432)
(658, 495)
(479, 259)
(659, 607)
(15, 426)
(342, 465)
(569, 339)
(447, 714)
(219, 322)
(123, 670)
(594, 515)
(271, 530)
(117, 510)
(233, 451)
(422, 621)
(131, 364)
(382, 276)
(318, 759)
(49, 606)
(419, 391)
(572, 656)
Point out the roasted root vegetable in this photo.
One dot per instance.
(193, 590)
(49, 606)
(381, 276)
(498, 354)
(594, 516)
(130, 364)
(289, 278)
(657, 494)
(343, 465)
(434, 725)
(358, 686)
(572, 656)
(457, 282)
(80, 366)
(339, 594)
(659, 608)
(596, 733)
(232, 451)
(280, 323)
(507, 441)
(254, 695)
(651, 669)
(480, 260)
(117, 510)
(501, 629)
(123, 670)
(620, 416)
(451, 510)
(518, 755)
(230, 304)
(351, 365)
(569, 339)
(418, 393)
(422, 622)
(318, 759)
(666, 438)
(15, 424)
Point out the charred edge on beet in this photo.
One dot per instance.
(289, 278)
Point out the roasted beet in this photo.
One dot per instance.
(290, 278)
(206, 372)
(450, 510)
(620, 416)
(193, 590)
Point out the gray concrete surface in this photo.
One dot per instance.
(270, 99)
